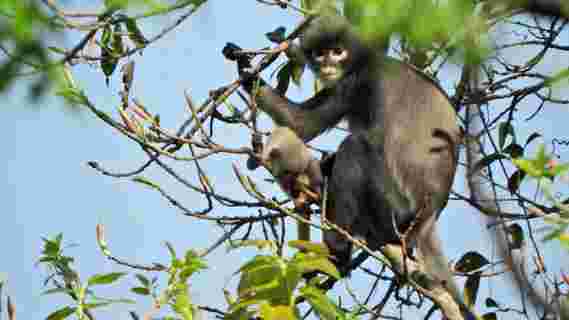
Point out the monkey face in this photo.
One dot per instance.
(328, 64)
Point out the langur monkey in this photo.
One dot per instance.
(391, 176)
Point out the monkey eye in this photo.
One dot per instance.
(338, 51)
(318, 53)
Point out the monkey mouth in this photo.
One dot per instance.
(329, 72)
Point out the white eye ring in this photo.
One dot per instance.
(318, 55)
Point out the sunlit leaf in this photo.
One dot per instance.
(309, 263)
(61, 313)
(559, 169)
(317, 248)
(135, 34)
(277, 312)
(146, 182)
(564, 239)
(259, 244)
(263, 272)
(107, 278)
(529, 166)
(322, 305)
(542, 158)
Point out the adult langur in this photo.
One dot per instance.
(392, 174)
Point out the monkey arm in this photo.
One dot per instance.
(307, 119)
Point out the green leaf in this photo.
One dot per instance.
(141, 291)
(297, 69)
(90, 306)
(491, 303)
(193, 263)
(262, 272)
(183, 305)
(134, 33)
(515, 180)
(278, 312)
(61, 313)
(171, 250)
(146, 182)
(106, 36)
(471, 261)
(51, 248)
(259, 244)
(108, 63)
(516, 234)
(564, 239)
(309, 263)
(143, 279)
(487, 161)
(471, 289)
(529, 166)
(107, 278)
(555, 234)
(117, 43)
(317, 248)
(541, 158)
(514, 150)
(322, 305)
(559, 169)
(291, 280)
(197, 3)
(72, 96)
(57, 50)
(56, 290)
(115, 4)
(505, 129)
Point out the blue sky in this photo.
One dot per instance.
(47, 187)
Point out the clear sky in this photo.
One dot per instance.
(47, 188)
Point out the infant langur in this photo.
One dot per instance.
(296, 170)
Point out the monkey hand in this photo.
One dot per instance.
(231, 51)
